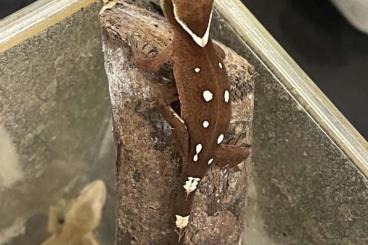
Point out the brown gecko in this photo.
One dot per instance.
(203, 90)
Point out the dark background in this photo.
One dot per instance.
(9, 6)
(322, 42)
(326, 46)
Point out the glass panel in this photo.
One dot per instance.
(309, 179)
(55, 127)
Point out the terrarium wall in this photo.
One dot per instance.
(55, 126)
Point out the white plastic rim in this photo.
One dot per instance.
(36, 18)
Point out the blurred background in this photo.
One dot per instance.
(9, 6)
(326, 46)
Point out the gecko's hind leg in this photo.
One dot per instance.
(177, 123)
(228, 156)
(164, 87)
(164, 94)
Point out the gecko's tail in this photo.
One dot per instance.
(182, 208)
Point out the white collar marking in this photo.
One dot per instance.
(201, 41)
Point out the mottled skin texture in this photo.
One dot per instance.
(203, 88)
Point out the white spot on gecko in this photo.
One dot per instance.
(181, 222)
(207, 95)
(220, 65)
(220, 139)
(205, 124)
(191, 184)
(196, 70)
(227, 96)
(201, 41)
(179, 118)
(198, 148)
(195, 158)
(210, 161)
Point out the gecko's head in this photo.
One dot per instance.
(192, 16)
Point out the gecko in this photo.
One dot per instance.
(73, 222)
(203, 90)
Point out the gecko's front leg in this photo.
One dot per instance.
(165, 95)
(152, 64)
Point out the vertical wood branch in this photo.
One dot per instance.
(148, 165)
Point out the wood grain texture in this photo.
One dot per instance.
(148, 163)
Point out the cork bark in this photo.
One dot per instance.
(148, 162)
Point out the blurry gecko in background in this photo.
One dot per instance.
(202, 89)
(73, 222)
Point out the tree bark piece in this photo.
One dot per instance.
(148, 163)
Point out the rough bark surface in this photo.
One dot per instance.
(148, 164)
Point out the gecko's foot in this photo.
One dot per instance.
(142, 53)
(149, 58)
(163, 95)
(168, 94)
(141, 50)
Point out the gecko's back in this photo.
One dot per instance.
(203, 89)
(204, 94)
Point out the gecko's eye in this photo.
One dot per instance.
(61, 221)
